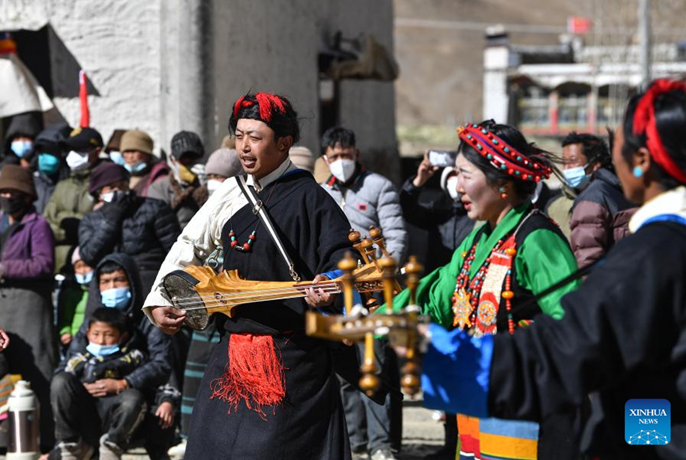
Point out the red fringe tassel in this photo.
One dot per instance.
(255, 374)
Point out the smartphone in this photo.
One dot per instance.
(442, 158)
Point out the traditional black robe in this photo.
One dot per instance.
(310, 423)
(623, 335)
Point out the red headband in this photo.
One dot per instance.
(644, 123)
(501, 155)
(268, 103)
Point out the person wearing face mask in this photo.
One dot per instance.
(600, 214)
(435, 216)
(72, 298)
(27, 260)
(117, 285)
(434, 213)
(222, 164)
(19, 138)
(143, 228)
(137, 152)
(489, 286)
(93, 402)
(71, 201)
(181, 190)
(366, 199)
(48, 163)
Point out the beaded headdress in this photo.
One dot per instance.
(501, 155)
(644, 123)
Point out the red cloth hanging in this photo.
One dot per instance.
(83, 97)
(254, 374)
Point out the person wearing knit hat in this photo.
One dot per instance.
(122, 221)
(27, 259)
(302, 157)
(222, 164)
(17, 179)
(182, 189)
(108, 175)
(136, 147)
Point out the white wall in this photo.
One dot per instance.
(167, 65)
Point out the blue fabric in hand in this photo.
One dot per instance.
(456, 372)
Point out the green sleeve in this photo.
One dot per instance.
(51, 215)
(435, 291)
(543, 259)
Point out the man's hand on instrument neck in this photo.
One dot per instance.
(168, 319)
(317, 298)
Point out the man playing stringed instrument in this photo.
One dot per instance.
(274, 394)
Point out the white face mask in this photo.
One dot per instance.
(342, 170)
(77, 160)
(212, 185)
(451, 186)
(109, 196)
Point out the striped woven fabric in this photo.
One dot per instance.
(496, 439)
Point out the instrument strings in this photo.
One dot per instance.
(290, 292)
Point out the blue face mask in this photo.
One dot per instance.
(48, 164)
(116, 297)
(84, 279)
(117, 158)
(101, 350)
(21, 148)
(138, 167)
(577, 177)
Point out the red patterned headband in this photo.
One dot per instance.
(644, 123)
(267, 102)
(501, 155)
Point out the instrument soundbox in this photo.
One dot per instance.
(200, 292)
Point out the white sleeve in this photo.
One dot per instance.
(201, 236)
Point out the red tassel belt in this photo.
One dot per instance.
(254, 374)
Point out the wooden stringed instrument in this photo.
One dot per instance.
(200, 292)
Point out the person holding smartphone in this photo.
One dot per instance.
(435, 216)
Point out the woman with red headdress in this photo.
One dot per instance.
(624, 332)
(269, 391)
(502, 264)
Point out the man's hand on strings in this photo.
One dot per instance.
(168, 319)
(316, 297)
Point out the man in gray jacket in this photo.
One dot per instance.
(367, 199)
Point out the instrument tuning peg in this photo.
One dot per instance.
(347, 264)
(369, 382)
(379, 239)
(367, 247)
(412, 270)
(355, 238)
(389, 267)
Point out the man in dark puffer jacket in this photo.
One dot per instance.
(600, 213)
(143, 228)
